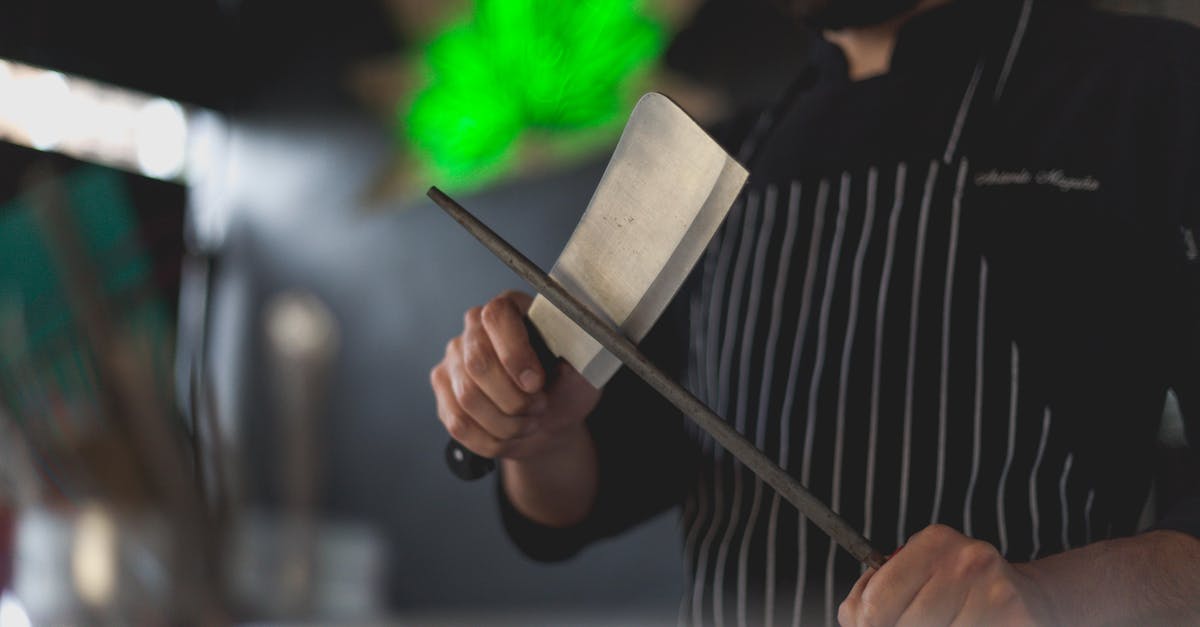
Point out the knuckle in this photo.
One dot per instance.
(517, 449)
(496, 310)
(471, 317)
(1001, 595)
(512, 406)
(977, 556)
(511, 431)
(870, 615)
(514, 362)
(847, 613)
(520, 300)
(937, 533)
(457, 427)
(981, 553)
(491, 449)
(477, 355)
(469, 396)
(868, 604)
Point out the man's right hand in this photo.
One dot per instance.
(491, 393)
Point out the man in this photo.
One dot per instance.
(959, 284)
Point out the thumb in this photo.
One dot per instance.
(571, 398)
(521, 299)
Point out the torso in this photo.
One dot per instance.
(967, 332)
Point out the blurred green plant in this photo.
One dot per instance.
(512, 66)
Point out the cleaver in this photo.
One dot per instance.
(666, 190)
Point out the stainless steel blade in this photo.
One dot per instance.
(665, 192)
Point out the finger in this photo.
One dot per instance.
(937, 603)
(520, 299)
(990, 604)
(893, 588)
(571, 398)
(851, 606)
(536, 442)
(484, 367)
(458, 424)
(505, 326)
(861, 584)
(475, 402)
(994, 598)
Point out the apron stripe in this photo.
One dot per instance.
(884, 285)
(977, 435)
(715, 306)
(1033, 497)
(696, 370)
(781, 275)
(960, 122)
(690, 555)
(818, 369)
(1087, 516)
(756, 278)
(864, 241)
(772, 534)
(712, 320)
(731, 321)
(1012, 437)
(734, 311)
(910, 382)
(1014, 48)
(947, 302)
(699, 324)
(701, 577)
(789, 396)
(1062, 500)
(691, 510)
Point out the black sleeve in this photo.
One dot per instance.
(645, 457)
(1183, 161)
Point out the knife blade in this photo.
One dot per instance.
(666, 190)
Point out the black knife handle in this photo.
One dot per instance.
(467, 465)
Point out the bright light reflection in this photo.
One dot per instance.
(6, 95)
(12, 613)
(94, 559)
(46, 107)
(162, 136)
(88, 120)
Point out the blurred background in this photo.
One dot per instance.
(219, 276)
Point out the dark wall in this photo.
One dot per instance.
(223, 54)
(398, 278)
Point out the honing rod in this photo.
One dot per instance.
(809, 506)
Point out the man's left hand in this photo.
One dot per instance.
(941, 578)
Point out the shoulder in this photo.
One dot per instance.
(1134, 46)
(1128, 70)
(733, 129)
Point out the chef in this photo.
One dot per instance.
(951, 301)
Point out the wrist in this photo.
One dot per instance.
(556, 486)
(1043, 593)
(1135, 580)
(553, 449)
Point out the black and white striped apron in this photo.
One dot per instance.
(846, 325)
